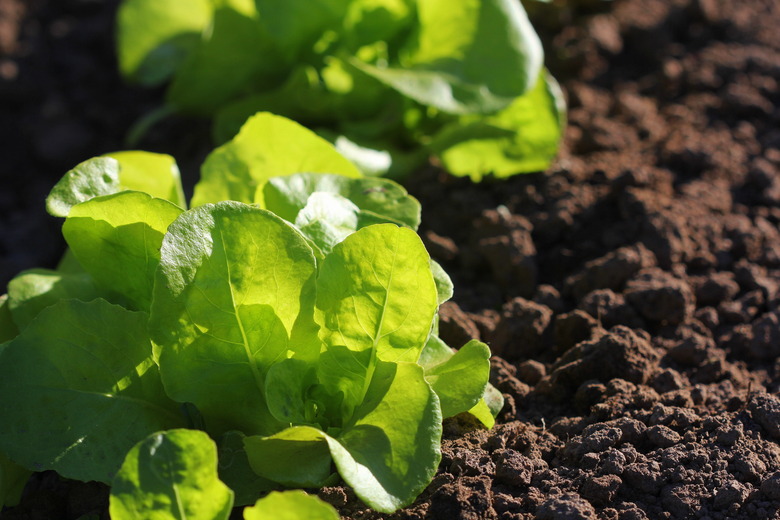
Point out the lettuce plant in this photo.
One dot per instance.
(172, 475)
(389, 81)
(295, 327)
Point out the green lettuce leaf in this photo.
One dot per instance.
(315, 96)
(488, 408)
(78, 388)
(364, 290)
(370, 21)
(290, 505)
(388, 452)
(296, 457)
(235, 471)
(155, 36)
(327, 219)
(8, 328)
(380, 200)
(444, 286)
(267, 146)
(295, 25)
(474, 56)
(33, 290)
(231, 56)
(12, 481)
(117, 239)
(154, 173)
(233, 295)
(460, 380)
(522, 138)
(171, 475)
(91, 178)
(391, 451)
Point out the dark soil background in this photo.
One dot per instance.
(631, 293)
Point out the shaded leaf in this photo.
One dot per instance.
(235, 471)
(297, 456)
(12, 481)
(32, 291)
(234, 54)
(78, 388)
(8, 328)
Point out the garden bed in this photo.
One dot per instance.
(630, 293)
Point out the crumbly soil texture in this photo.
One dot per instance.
(630, 294)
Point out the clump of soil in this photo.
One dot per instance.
(630, 294)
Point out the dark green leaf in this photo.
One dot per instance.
(34, 290)
(235, 471)
(78, 388)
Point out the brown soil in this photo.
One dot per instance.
(631, 293)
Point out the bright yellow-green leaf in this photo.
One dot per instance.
(522, 138)
(154, 173)
(91, 178)
(233, 295)
(290, 505)
(385, 200)
(482, 412)
(171, 475)
(376, 291)
(267, 146)
(117, 239)
(460, 381)
(392, 450)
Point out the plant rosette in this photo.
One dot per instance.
(391, 82)
(290, 314)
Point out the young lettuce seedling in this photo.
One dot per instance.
(302, 342)
(390, 81)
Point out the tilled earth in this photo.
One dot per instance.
(631, 294)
